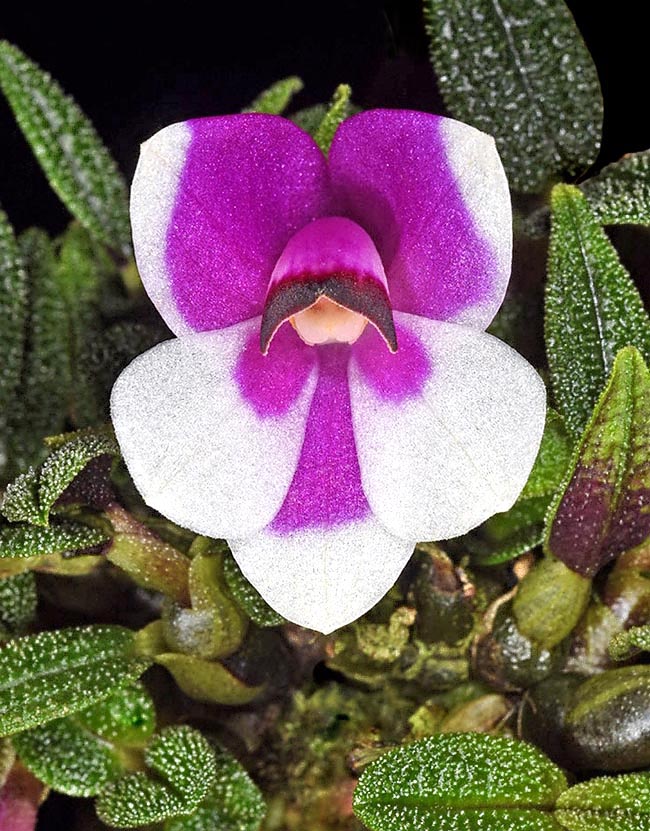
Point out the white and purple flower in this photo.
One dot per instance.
(331, 397)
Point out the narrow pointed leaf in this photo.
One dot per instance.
(277, 97)
(73, 157)
(80, 754)
(13, 317)
(339, 110)
(522, 73)
(29, 541)
(183, 771)
(460, 782)
(627, 643)
(234, 803)
(42, 405)
(593, 308)
(620, 193)
(603, 509)
(52, 674)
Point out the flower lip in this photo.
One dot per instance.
(331, 259)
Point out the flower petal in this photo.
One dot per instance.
(209, 436)
(437, 461)
(433, 195)
(213, 203)
(324, 560)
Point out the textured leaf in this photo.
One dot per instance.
(29, 541)
(76, 163)
(67, 758)
(507, 535)
(277, 97)
(608, 803)
(460, 782)
(31, 496)
(78, 755)
(593, 308)
(84, 274)
(603, 508)
(18, 601)
(522, 73)
(338, 111)
(53, 674)
(41, 407)
(13, 314)
(620, 193)
(250, 600)
(309, 119)
(184, 767)
(629, 642)
(234, 803)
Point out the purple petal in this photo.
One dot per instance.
(433, 195)
(324, 560)
(210, 436)
(326, 488)
(213, 203)
(437, 461)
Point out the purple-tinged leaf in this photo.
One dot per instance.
(604, 507)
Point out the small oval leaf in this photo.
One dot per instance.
(183, 769)
(608, 803)
(460, 782)
(53, 674)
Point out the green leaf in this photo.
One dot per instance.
(338, 111)
(41, 408)
(13, 314)
(608, 803)
(507, 535)
(63, 755)
(80, 754)
(76, 163)
(234, 803)
(620, 193)
(208, 681)
(592, 307)
(522, 73)
(277, 97)
(60, 537)
(250, 600)
(31, 496)
(52, 674)
(84, 276)
(183, 771)
(460, 782)
(309, 119)
(18, 601)
(602, 509)
(627, 643)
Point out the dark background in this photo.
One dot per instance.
(136, 67)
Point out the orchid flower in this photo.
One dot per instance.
(331, 397)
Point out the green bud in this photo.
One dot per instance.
(550, 601)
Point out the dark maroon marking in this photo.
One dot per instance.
(363, 295)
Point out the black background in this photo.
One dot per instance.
(136, 67)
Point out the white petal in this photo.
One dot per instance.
(323, 578)
(443, 460)
(197, 450)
